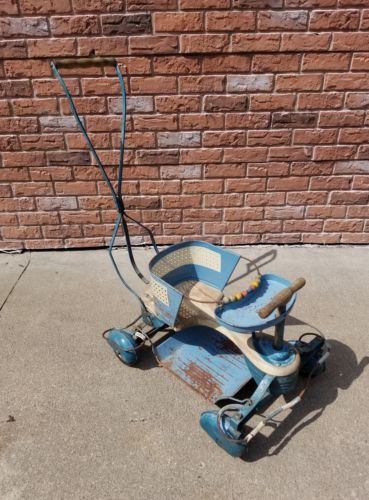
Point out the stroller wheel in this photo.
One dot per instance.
(234, 447)
(126, 359)
(123, 345)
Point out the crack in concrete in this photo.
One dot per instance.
(16, 282)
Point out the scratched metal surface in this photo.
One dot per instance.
(206, 360)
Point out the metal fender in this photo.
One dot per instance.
(208, 422)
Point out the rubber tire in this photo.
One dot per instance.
(122, 356)
(127, 354)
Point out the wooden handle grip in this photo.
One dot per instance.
(85, 62)
(281, 298)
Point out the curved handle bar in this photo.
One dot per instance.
(281, 298)
(85, 62)
(116, 194)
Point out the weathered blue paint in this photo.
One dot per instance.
(280, 385)
(218, 280)
(213, 278)
(226, 430)
(277, 357)
(206, 360)
(208, 421)
(242, 316)
(259, 394)
(168, 312)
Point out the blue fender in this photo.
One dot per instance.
(208, 422)
(124, 346)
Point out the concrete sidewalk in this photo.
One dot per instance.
(88, 427)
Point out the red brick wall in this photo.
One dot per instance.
(247, 120)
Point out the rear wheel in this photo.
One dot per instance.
(124, 346)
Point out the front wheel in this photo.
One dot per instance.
(208, 422)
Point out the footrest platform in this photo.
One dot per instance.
(206, 360)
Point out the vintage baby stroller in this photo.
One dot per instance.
(215, 343)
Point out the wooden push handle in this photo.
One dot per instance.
(85, 62)
(281, 298)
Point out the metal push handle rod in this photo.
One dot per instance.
(121, 156)
(82, 128)
(116, 268)
(117, 196)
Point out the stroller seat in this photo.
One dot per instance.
(192, 268)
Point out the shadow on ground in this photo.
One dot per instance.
(343, 368)
(256, 263)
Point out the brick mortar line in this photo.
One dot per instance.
(191, 54)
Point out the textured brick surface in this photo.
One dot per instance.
(247, 120)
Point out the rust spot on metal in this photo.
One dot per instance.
(166, 364)
(203, 381)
